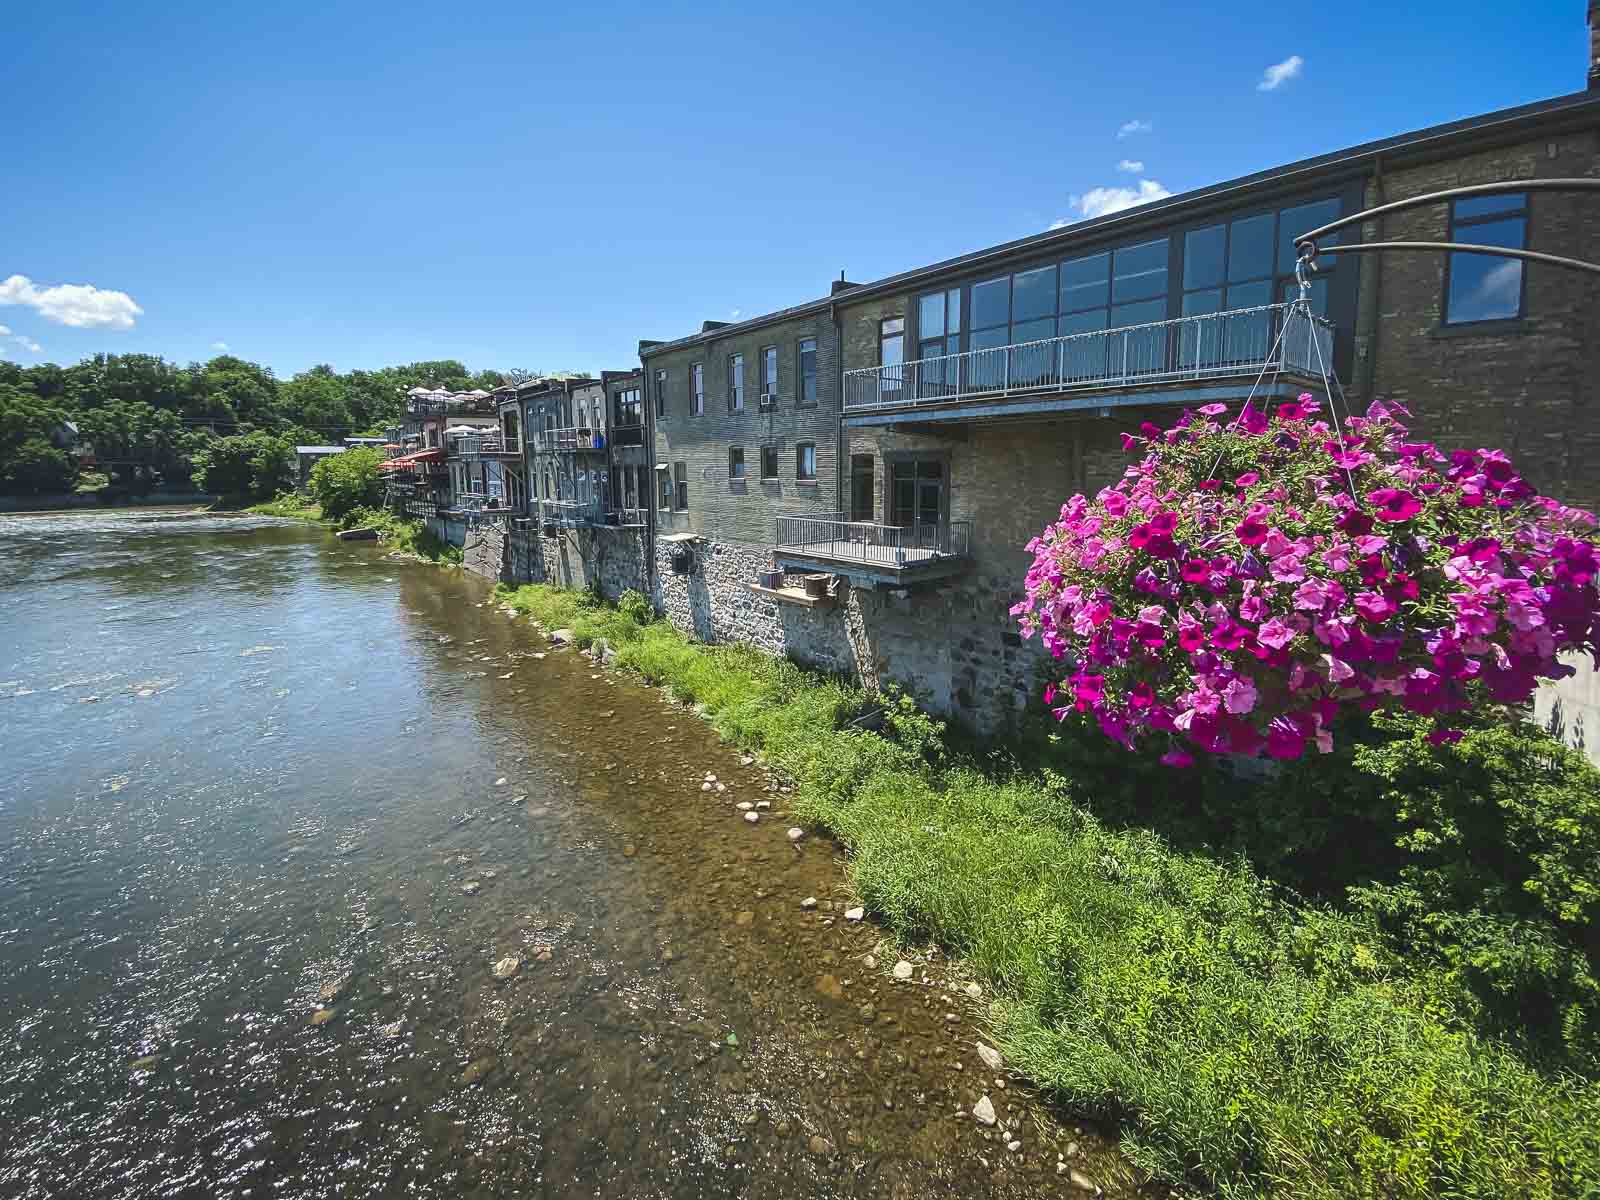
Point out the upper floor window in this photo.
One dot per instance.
(1249, 262)
(735, 383)
(627, 408)
(1482, 287)
(697, 389)
(769, 371)
(808, 370)
(661, 393)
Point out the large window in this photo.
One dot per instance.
(680, 479)
(808, 371)
(861, 487)
(939, 335)
(891, 353)
(916, 493)
(769, 372)
(1483, 287)
(626, 407)
(769, 462)
(735, 383)
(664, 500)
(805, 462)
(735, 462)
(661, 393)
(697, 389)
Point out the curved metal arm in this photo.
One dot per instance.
(1306, 248)
(1463, 248)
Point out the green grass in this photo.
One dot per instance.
(290, 504)
(1248, 1042)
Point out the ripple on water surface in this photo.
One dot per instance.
(334, 889)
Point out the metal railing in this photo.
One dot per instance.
(1211, 345)
(494, 445)
(547, 441)
(831, 536)
(573, 512)
(628, 516)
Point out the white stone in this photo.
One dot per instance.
(507, 966)
(763, 803)
(991, 1057)
(744, 806)
(903, 969)
(809, 902)
(1013, 1145)
(983, 1111)
(705, 787)
(974, 991)
(722, 787)
(796, 833)
(752, 817)
(854, 914)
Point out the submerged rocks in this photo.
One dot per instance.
(796, 833)
(809, 902)
(561, 637)
(752, 817)
(323, 1015)
(471, 887)
(476, 1071)
(983, 1111)
(507, 966)
(332, 988)
(830, 987)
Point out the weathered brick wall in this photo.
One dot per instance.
(1527, 386)
(744, 511)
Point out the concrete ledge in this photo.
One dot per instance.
(792, 595)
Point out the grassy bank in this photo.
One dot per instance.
(1250, 1042)
(290, 504)
(401, 534)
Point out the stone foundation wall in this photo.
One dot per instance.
(612, 560)
(484, 552)
(953, 648)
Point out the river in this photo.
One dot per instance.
(273, 807)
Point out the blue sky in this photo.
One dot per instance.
(540, 185)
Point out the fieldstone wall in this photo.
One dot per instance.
(609, 559)
(954, 648)
(524, 558)
(483, 552)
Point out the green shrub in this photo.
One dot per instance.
(344, 482)
(635, 607)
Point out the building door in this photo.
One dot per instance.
(861, 487)
(917, 493)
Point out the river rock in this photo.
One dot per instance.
(705, 787)
(830, 987)
(744, 806)
(330, 991)
(974, 991)
(854, 914)
(147, 1063)
(903, 969)
(992, 1058)
(323, 1015)
(744, 918)
(721, 787)
(1013, 1145)
(507, 966)
(1079, 1180)
(752, 817)
(629, 851)
(796, 833)
(471, 887)
(392, 1030)
(561, 637)
(476, 1071)
(818, 1144)
(983, 1111)
(809, 902)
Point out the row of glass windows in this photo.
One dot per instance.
(805, 372)
(674, 487)
(1236, 264)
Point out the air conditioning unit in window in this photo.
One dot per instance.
(769, 401)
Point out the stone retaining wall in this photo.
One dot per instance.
(954, 648)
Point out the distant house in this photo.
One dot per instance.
(351, 442)
(307, 457)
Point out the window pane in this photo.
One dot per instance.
(1482, 287)
(769, 462)
(991, 303)
(770, 365)
(930, 315)
(1030, 331)
(1139, 271)
(931, 349)
(1319, 294)
(985, 339)
(894, 325)
(1250, 248)
(1197, 303)
(1203, 253)
(1084, 282)
(1084, 322)
(1482, 206)
(1138, 314)
(1292, 222)
(1033, 294)
(952, 311)
(1249, 295)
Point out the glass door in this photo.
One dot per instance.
(918, 492)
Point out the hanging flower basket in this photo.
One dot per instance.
(1245, 582)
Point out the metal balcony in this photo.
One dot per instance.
(1081, 370)
(572, 512)
(489, 445)
(551, 441)
(872, 553)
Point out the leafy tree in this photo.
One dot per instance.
(30, 461)
(253, 466)
(134, 441)
(35, 467)
(317, 398)
(344, 482)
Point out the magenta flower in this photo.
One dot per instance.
(1394, 504)
(1213, 410)
(1177, 757)
(1250, 532)
(1275, 634)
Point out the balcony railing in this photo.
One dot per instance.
(488, 445)
(547, 441)
(1209, 346)
(573, 512)
(832, 537)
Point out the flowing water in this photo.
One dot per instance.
(273, 807)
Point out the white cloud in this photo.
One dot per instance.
(1097, 202)
(735, 314)
(4, 332)
(220, 347)
(1131, 165)
(28, 343)
(80, 305)
(1129, 128)
(1279, 74)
